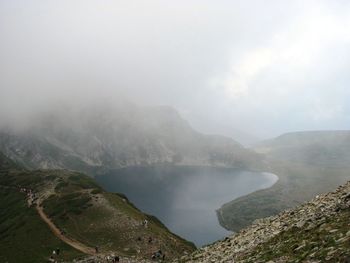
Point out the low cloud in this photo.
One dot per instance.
(230, 67)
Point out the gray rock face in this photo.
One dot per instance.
(118, 136)
(317, 231)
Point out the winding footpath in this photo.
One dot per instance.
(71, 242)
(55, 230)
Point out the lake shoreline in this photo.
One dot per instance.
(219, 211)
(185, 198)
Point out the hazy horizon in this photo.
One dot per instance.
(245, 69)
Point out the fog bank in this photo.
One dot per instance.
(248, 69)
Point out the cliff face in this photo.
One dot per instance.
(317, 231)
(120, 136)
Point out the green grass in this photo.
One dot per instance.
(24, 236)
(297, 183)
(111, 227)
(80, 208)
(72, 182)
(61, 206)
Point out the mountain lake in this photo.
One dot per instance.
(185, 198)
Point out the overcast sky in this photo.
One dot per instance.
(230, 67)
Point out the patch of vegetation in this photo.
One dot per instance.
(115, 224)
(74, 182)
(96, 191)
(62, 206)
(61, 185)
(82, 210)
(24, 237)
(82, 181)
(297, 183)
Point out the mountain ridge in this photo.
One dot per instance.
(313, 147)
(119, 137)
(307, 164)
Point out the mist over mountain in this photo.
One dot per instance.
(170, 100)
(318, 148)
(115, 136)
(260, 68)
(307, 164)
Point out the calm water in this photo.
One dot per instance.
(185, 198)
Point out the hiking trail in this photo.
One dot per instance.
(71, 242)
(55, 230)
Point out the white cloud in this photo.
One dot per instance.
(321, 110)
(297, 49)
(250, 65)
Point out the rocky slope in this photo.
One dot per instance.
(115, 136)
(45, 209)
(316, 231)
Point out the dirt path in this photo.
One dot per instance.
(73, 243)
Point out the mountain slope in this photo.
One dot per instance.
(325, 148)
(307, 164)
(82, 212)
(118, 136)
(24, 237)
(317, 231)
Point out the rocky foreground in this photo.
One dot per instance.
(317, 231)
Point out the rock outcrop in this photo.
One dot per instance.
(317, 231)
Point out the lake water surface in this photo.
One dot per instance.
(185, 198)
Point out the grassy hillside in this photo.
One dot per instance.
(107, 220)
(303, 172)
(81, 210)
(297, 183)
(24, 237)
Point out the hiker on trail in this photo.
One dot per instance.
(145, 223)
(96, 249)
(158, 255)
